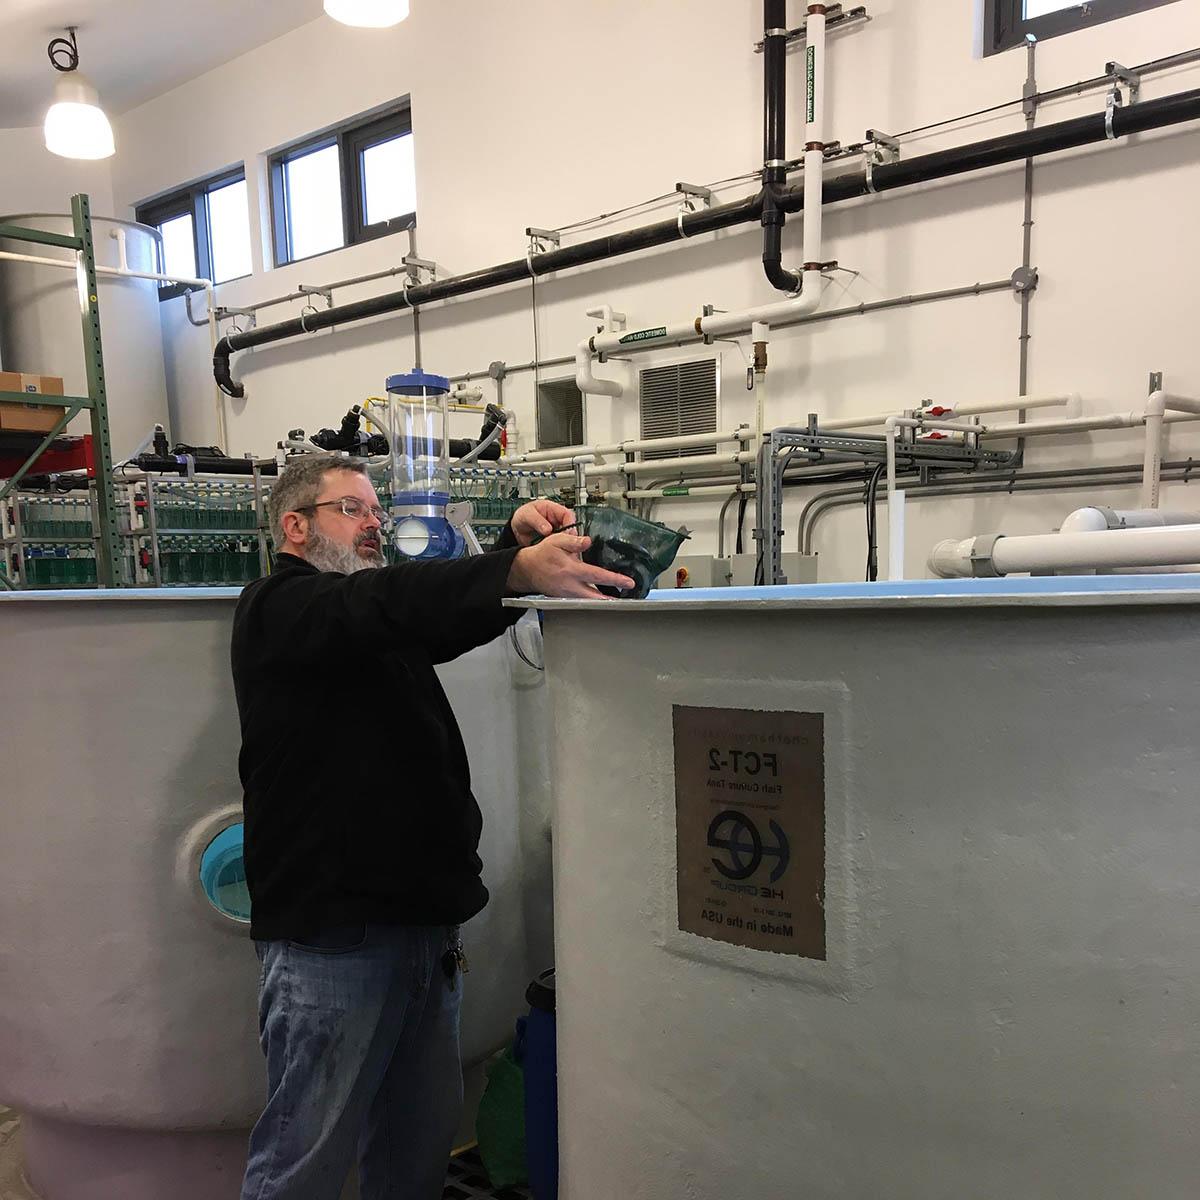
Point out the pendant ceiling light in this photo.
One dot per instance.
(76, 126)
(368, 14)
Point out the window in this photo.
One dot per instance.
(679, 399)
(343, 187)
(1008, 22)
(205, 231)
(559, 415)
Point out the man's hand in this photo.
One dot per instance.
(553, 568)
(539, 519)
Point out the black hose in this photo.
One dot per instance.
(872, 502)
(721, 522)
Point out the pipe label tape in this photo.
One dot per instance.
(812, 83)
(676, 490)
(644, 335)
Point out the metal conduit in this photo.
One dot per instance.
(1043, 481)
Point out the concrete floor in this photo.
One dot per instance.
(465, 1180)
(12, 1183)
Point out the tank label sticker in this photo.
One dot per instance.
(750, 827)
(644, 335)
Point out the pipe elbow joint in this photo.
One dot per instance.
(779, 278)
(585, 381)
(221, 373)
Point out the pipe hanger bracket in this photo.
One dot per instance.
(1121, 76)
(879, 149)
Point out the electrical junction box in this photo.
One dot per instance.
(798, 568)
(694, 571)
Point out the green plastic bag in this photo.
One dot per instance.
(500, 1122)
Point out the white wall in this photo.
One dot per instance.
(34, 180)
(541, 112)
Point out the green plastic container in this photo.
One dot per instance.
(628, 545)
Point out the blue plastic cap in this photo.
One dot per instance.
(417, 383)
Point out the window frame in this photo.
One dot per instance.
(191, 201)
(1005, 26)
(351, 139)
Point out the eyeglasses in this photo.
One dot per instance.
(355, 509)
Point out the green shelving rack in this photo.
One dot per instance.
(109, 571)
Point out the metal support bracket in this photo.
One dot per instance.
(982, 564)
(327, 292)
(414, 266)
(691, 192)
(813, 446)
(879, 149)
(1029, 88)
(836, 15)
(541, 241)
(1121, 76)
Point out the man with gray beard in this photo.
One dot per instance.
(360, 850)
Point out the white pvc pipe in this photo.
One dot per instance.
(895, 503)
(1072, 402)
(921, 422)
(760, 332)
(1152, 456)
(632, 445)
(672, 464)
(1066, 425)
(718, 325)
(701, 490)
(1091, 551)
(1155, 416)
(930, 412)
(814, 160)
(585, 381)
(1096, 519)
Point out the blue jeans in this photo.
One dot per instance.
(360, 1032)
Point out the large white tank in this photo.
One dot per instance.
(993, 994)
(129, 1038)
(40, 331)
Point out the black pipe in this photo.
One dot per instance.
(176, 464)
(708, 220)
(1015, 147)
(774, 174)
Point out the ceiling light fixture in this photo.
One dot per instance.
(76, 126)
(368, 14)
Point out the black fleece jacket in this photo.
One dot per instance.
(357, 791)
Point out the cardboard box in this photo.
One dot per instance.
(20, 418)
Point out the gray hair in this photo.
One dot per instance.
(299, 485)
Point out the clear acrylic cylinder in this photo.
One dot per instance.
(418, 431)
